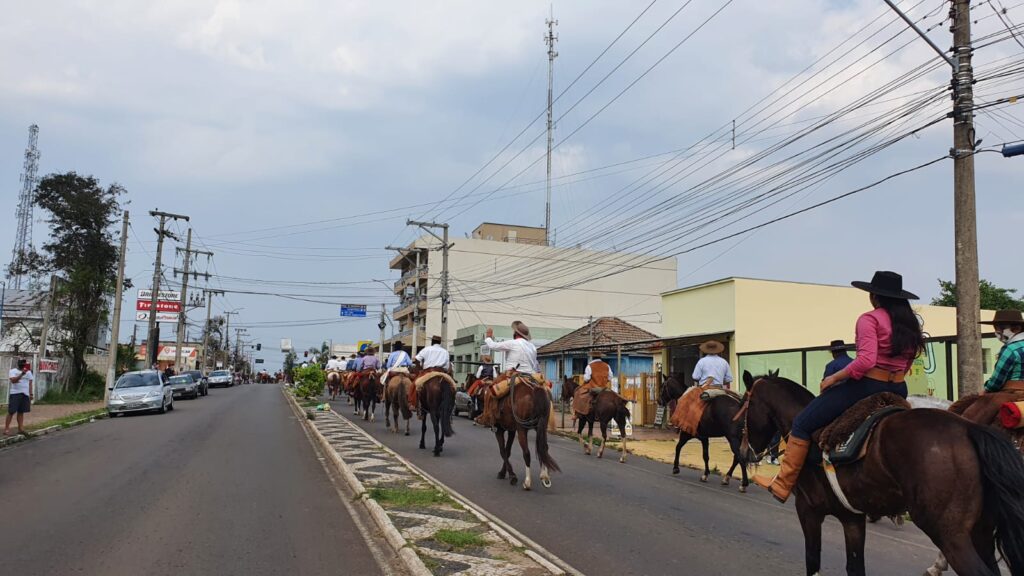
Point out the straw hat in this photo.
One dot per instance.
(596, 354)
(521, 329)
(712, 347)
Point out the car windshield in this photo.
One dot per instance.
(219, 373)
(138, 380)
(180, 380)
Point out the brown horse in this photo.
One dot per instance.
(351, 387)
(526, 407)
(962, 483)
(608, 406)
(396, 398)
(719, 421)
(436, 397)
(333, 384)
(368, 384)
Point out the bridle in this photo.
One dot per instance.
(744, 413)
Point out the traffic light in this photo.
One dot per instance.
(259, 346)
(305, 354)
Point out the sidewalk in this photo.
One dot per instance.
(41, 414)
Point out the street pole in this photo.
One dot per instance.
(206, 329)
(153, 332)
(115, 326)
(445, 297)
(227, 336)
(382, 324)
(184, 294)
(47, 313)
(550, 40)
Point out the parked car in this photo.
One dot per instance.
(463, 403)
(198, 376)
(220, 378)
(183, 386)
(140, 391)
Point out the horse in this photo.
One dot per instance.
(333, 384)
(518, 413)
(396, 398)
(719, 421)
(608, 406)
(368, 384)
(436, 397)
(962, 483)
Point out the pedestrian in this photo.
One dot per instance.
(1009, 371)
(712, 369)
(840, 359)
(22, 393)
(889, 337)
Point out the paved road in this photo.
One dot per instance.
(603, 517)
(228, 484)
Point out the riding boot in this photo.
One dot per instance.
(792, 463)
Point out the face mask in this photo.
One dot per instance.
(1005, 335)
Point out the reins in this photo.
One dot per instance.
(745, 439)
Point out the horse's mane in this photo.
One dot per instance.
(792, 389)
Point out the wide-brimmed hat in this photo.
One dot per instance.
(1006, 317)
(837, 346)
(596, 354)
(521, 329)
(712, 347)
(886, 283)
(435, 338)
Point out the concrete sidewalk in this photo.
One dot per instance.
(42, 414)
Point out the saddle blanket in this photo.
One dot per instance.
(423, 378)
(690, 409)
(839, 433)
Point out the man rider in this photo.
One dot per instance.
(398, 361)
(370, 360)
(335, 365)
(1008, 375)
(840, 359)
(432, 357)
(596, 377)
(520, 357)
(712, 369)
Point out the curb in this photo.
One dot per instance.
(401, 547)
(9, 441)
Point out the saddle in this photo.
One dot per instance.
(715, 392)
(845, 440)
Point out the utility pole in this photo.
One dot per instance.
(445, 296)
(182, 316)
(590, 326)
(965, 221)
(227, 335)
(47, 315)
(153, 333)
(206, 328)
(238, 341)
(382, 324)
(115, 325)
(550, 38)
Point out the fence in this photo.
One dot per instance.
(642, 389)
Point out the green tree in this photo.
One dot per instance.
(992, 296)
(289, 362)
(125, 359)
(82, 253)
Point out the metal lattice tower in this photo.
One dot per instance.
(26, 203)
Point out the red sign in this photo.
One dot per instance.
(48, 365)
(161, 306)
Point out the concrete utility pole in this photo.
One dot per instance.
(550, 38)
(183, 316)
(382, 324)
(153, 333)
(206, 328)
(445, 296)
(227, 335)
(965, 221)
(47, 316)
(115, 324)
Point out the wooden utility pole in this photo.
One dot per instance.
(206, 328)
(182, 316)
(115, 324)
(153, 334)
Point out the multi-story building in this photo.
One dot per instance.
(501, 273)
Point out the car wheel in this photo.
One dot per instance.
(163, 409)
(111, 414)
(170, 407)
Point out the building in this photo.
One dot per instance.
(569, 355)
(468, 346)
(768, 325)
(190, 354)
(511, 276)
(344, 350)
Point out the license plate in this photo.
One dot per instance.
(133, 405)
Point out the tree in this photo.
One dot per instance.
(82, 253)
(125, 358)
(992, 296)
(289, 364)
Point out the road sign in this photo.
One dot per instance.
(143, 316)
(48, 365)
(362, 345)
(161, 306)
(168, 295)
(353, 310)
(286, 345)
(258, 360)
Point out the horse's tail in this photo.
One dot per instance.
(1002, 473)
(447, 407)
(622, 409)
(542, 431)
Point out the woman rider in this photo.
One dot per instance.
(888, 339)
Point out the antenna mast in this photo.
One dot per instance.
(550, 38)
(26, 203)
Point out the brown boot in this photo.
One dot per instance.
(792, 463)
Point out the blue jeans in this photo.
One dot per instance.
(836, 400)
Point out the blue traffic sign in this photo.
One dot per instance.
(353, 310)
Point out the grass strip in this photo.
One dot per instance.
(459, 538)
(404, 497)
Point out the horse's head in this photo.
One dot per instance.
(671, 388)
(769, 406)
(568, 388)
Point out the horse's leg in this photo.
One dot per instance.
(511, 438)
(683, 439)
(590, 435)
(423, 434)
(580, 424)
(963, 558)
(737, 459)
(373, 408)
(707, 457)
(524, 443)
(604, 438)
(499, 435)
(622, 431)
(853, 531)
(810, 522)
(985, 544)
(435, 420)
(938, 567)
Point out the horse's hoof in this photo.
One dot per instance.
(743, 489)
(501, 475)
(622, 459)
(675, 469)
(422, 447)
(546, 482)
(725, 480)
(406, 433)
(513, 480)
(704, 478)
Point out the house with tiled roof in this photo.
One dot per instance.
(568, 355)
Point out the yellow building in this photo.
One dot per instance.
(767, 325)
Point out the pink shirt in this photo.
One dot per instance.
(874, 340)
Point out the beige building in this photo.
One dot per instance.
(768, 325)
(512, 277)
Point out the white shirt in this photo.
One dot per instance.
(21, 386)
(520, 355)
(433, 356)
(335, 364)
(586, 373)
(714, 367)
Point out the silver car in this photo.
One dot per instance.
(183, 386)
(140, 391)
(220, 378)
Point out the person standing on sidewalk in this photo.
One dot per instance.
(21, 395)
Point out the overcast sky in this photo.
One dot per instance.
(268, 122)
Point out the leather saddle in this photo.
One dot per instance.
(846, 440)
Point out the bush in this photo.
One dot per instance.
(309, 381)
(89, 390)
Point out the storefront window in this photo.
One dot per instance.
(928, 375)
(789, 365)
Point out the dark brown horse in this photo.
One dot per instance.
(607, 407)
(396, 399)
(719, 421)
(526, 407)
(962, 483)
(368, 387)
(436, 397)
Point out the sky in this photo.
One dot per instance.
(299, 136)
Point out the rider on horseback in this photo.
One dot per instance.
(888, 339)
(335, 365)
(597, 377)
(1008, 374)
(484, 377)
(398, 362)
(433, 358)
(520, 358)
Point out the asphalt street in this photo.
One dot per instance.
(603, 517)
(227, 484)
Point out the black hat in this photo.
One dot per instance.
(837, 346)
(885, 283)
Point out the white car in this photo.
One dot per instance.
(140, 391)
(220, 378)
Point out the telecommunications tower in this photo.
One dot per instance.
(26, 202)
